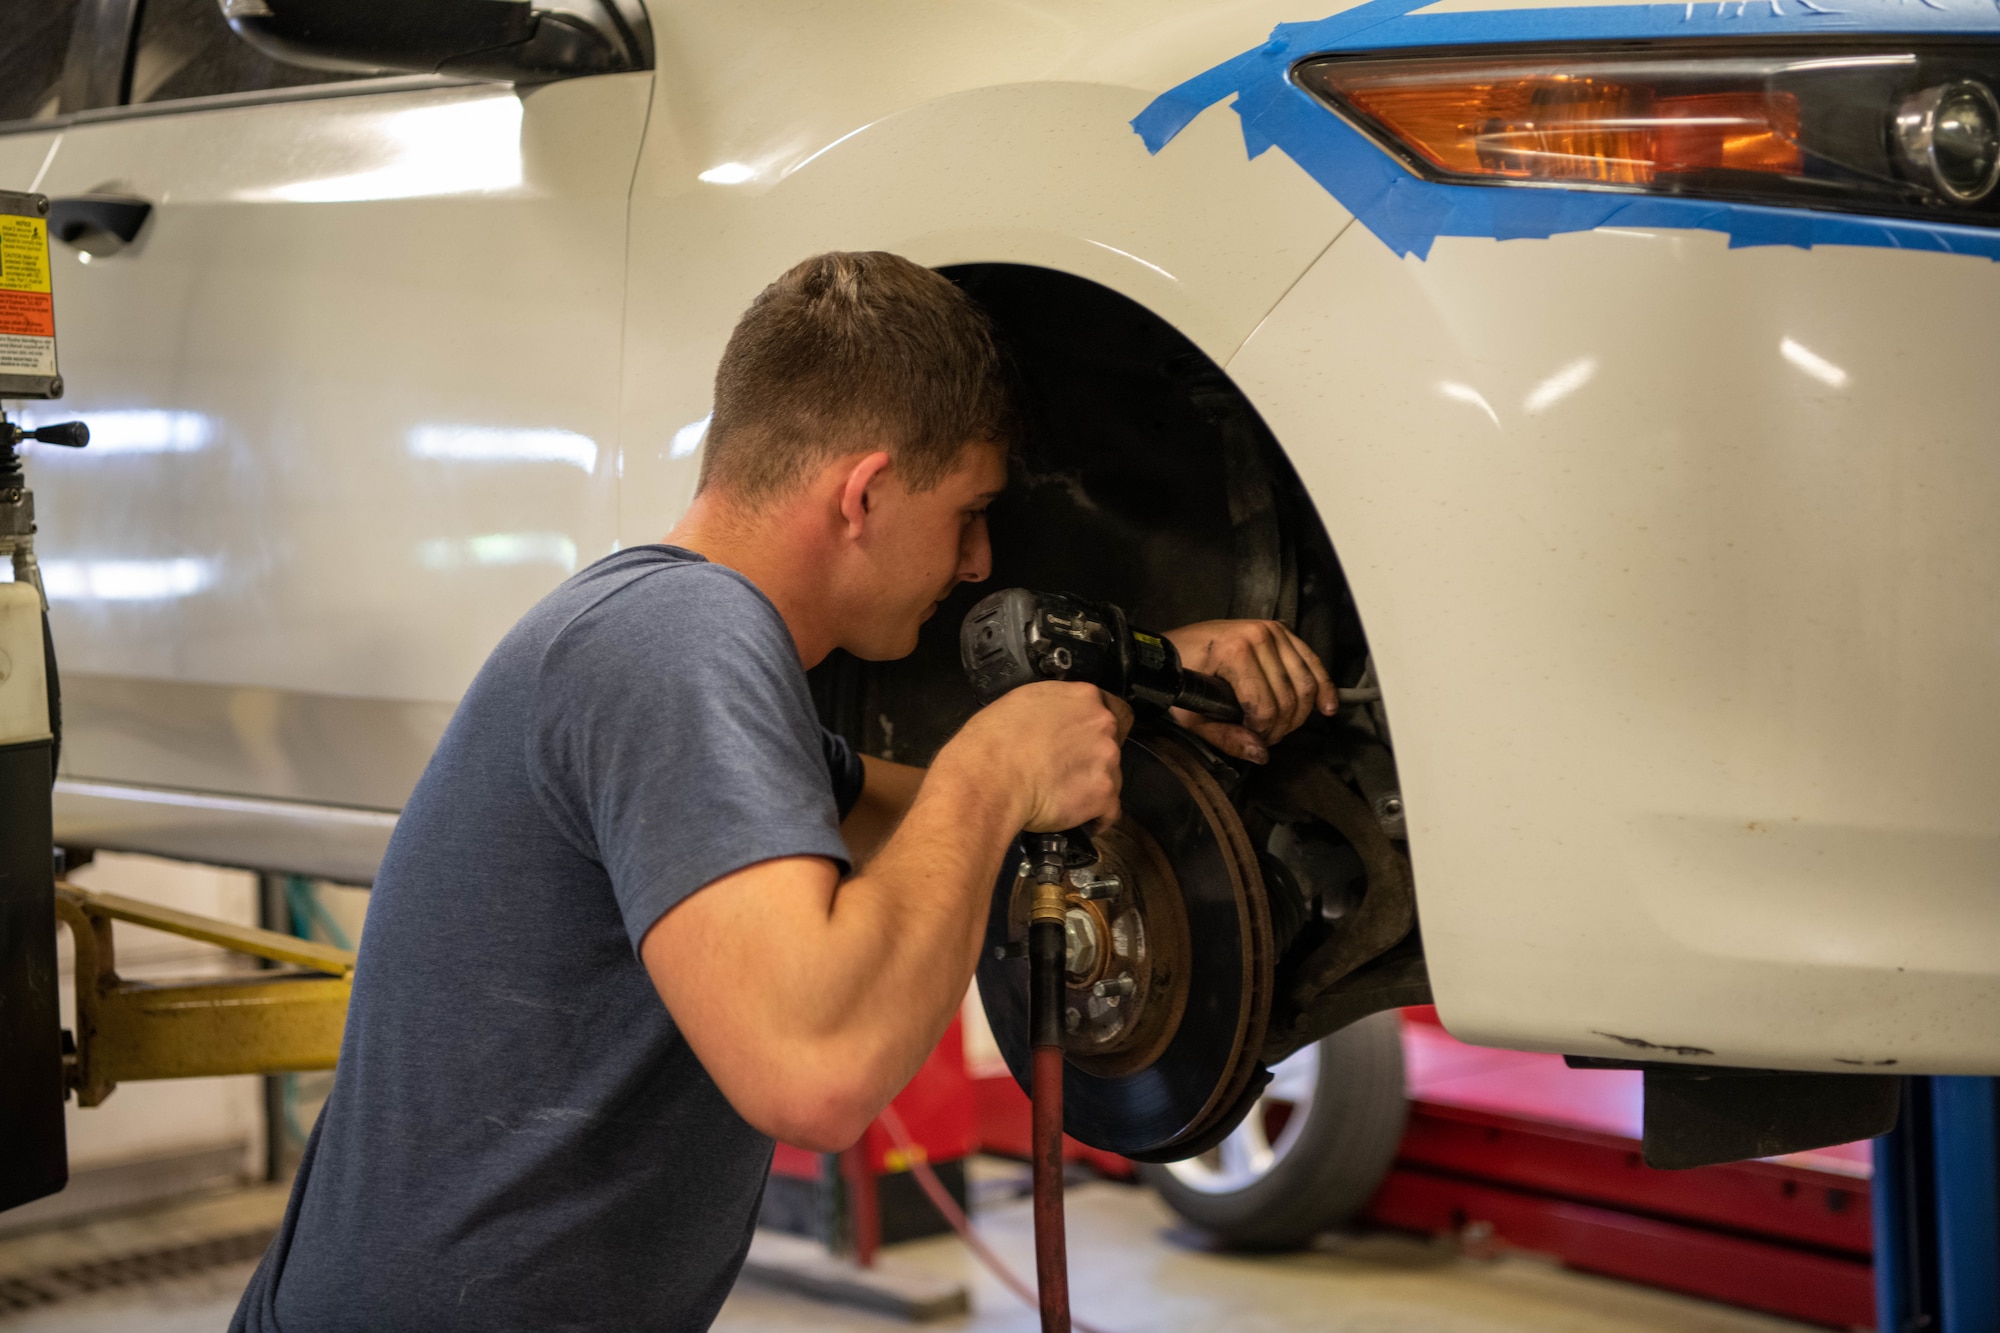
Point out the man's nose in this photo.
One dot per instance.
(977, 564)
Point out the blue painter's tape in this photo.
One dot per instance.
(1409, 213)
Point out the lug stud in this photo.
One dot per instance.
(1092, 888)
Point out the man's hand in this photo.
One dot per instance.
(1278, 680)
(1056, 745)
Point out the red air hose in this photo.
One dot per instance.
(1048, 966)
(1045, 1027)
(954, 1216)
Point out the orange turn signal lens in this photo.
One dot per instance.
(1517, 124)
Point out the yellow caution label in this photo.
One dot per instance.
(24, 254)
(27, 308)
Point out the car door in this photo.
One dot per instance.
(353, 387)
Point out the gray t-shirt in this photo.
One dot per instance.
(518, 1135)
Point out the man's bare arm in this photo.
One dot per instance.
(888, 790)
(811, 1000)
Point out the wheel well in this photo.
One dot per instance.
(1143, 477)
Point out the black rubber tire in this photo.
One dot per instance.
(1353, 1125)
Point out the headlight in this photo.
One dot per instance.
(1911, 129)
(1950, 136)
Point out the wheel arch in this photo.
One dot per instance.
(1145, 477)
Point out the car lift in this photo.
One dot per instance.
(284, 1018)
(264, 1022)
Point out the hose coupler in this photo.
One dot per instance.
(1051, 875)
(1047, 940)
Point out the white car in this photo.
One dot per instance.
(1603, 386)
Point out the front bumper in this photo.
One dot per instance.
(1681, 569)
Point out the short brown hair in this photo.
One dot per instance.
(850, 347)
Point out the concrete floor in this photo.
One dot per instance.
(1131, 1270)
(201, 1303)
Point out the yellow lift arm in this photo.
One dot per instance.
(266, 1022)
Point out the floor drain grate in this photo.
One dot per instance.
(56, 1284)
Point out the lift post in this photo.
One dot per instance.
(261, 1023)
(1937, 1210)
(35, 1162)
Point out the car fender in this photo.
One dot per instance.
(1042, 171)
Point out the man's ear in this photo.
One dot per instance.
(862, 490)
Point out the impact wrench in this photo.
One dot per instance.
(1011, 639)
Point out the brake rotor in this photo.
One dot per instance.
(1170, 962)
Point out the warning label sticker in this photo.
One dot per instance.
(28, 314)
(27, 356)
(24, 255)
(27, 308)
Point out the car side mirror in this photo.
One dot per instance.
(490, 39)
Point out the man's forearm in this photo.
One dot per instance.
(924, 899)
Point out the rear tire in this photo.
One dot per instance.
(1310, 1154)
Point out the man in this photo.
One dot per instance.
(642, 915)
